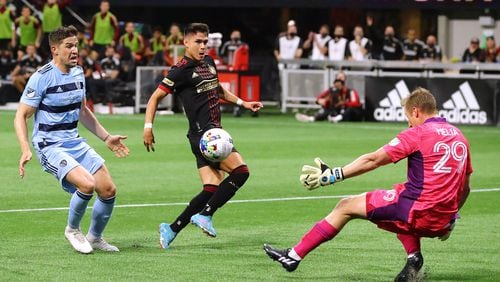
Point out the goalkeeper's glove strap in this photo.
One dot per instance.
(337, 175)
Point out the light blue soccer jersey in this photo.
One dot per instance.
(58, 98)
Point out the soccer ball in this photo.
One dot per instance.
(216, 144)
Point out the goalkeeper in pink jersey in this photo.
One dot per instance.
(426, 205)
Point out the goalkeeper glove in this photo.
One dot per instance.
(313, 177)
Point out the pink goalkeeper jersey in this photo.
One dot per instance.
(438, 162)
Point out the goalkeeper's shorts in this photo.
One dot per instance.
(392, 211)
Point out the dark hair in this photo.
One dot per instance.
(60, 33)
(194, 28)
(158, 28)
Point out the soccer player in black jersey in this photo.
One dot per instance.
(194, 79)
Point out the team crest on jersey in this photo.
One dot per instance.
(30, 92)
(168, 82)
(212, 70)
(195, 75)
(78, 84)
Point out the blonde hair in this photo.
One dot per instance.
(422, 99)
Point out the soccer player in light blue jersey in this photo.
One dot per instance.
(55, 96)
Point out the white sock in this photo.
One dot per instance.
(294, 255)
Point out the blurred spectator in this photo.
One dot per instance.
(288, 45)
(83, 42)
(373, 32)
(360, 47)
(318, 42)
(391, 48)
(412, 46)
(229, 47)
(491, 53)
(111, 63)
(133, 42)
(473, 53)
(346, 103)
(7, 63)
(52, 19)
(26, 67)
(337, 46)
(30, 29)
(338, 103)
(431, 51)
(7, 33)
(94, 77)
(104, 29)
(175, 41)
(157, 47)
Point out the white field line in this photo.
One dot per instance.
(230, 202)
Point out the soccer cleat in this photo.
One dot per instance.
(78, 240)
(205, 223)
(282, 257)
(303, 118)
(101, 244)
(413, 265)
(166, 235)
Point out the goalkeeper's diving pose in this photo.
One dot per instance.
(426, 205)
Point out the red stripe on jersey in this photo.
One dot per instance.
(164, 89)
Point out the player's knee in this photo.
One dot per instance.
(107, 191)
(345, 206)
(87, 186)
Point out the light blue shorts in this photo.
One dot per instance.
(59, 159)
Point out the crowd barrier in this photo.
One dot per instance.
(465, 93)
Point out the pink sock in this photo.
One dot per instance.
(410, 243)
(321, 232)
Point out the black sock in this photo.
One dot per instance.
(194, 207)
(226, 189)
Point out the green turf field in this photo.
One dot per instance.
(32, 244)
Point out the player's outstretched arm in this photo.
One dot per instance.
(24, 112)
(231, 98)
(114, 142)
(313, 177)
(149, 138)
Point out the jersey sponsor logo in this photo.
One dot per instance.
(390, 108)
(207, 85)
(30, 92)
(168, 82)
(463, 107)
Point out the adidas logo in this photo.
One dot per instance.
(390, 107)
(286, 260)
(59, 89)
(463, 107)
(195, 75)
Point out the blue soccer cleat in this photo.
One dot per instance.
(166, 235)
(205, 223)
